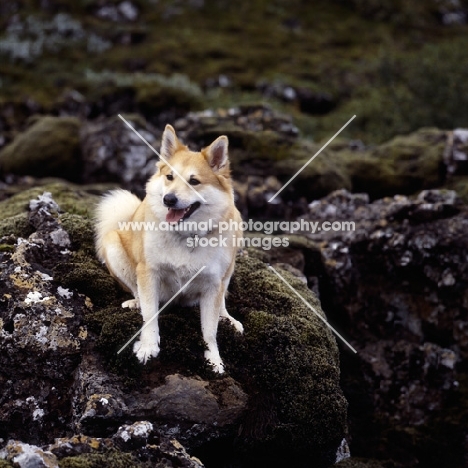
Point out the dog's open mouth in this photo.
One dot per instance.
(174, 216)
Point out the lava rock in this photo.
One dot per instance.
(397, 284)
(280, 400)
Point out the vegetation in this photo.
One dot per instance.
(392, 63)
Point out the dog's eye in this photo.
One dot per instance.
(170, 177)
(193, 181)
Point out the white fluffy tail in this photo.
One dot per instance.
(115, 207)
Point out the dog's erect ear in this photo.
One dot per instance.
(217, 153)
(169, 142)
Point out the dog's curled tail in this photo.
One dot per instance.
(115, 207)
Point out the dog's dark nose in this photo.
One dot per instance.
(170, 200)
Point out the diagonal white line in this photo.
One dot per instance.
(161, 309)
(154, 151)
(311, 308)
(311, 159)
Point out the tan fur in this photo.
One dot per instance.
(154, 265)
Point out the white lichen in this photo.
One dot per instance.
(34, 297)
(64, 292)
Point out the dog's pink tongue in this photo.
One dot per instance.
(173, 216)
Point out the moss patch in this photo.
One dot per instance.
(363, 463)
(71, 199)
(111, 459)
(403, 165)
(18, 226)
(50, 147)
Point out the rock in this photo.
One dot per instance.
(447, 12)
(41, 326)
(50, 147)
(397, 284)
(133, 446)
(456, 152)
(28, 456)
(135, 435)
(191, 399)
(279, 401)
(124, 11)
(112, 152)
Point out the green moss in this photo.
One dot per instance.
(71, 198)
(18, 226)
(81, 232)
(403, 165)
(460, 185)
(363, 463)
(50, 147)
(88, 276)
(117, 326)
(5, 464)
(111, 459)
(152, 92)
(289, 354)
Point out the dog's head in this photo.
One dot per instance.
(188, 184)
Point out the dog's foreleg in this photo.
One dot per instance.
(148, 292)
(210, 309)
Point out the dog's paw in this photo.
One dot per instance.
(238, 326)
(215, 361)
(145, 351)
(131, 304)
(235, 323)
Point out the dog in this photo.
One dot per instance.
(189, 192)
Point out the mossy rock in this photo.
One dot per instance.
(112, 459)
(404, 165)
(291, 358)
(74, 199)
(363, 463)
(287, 359)
(50, 147)
(5, 464)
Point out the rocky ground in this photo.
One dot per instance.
(278, 85)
